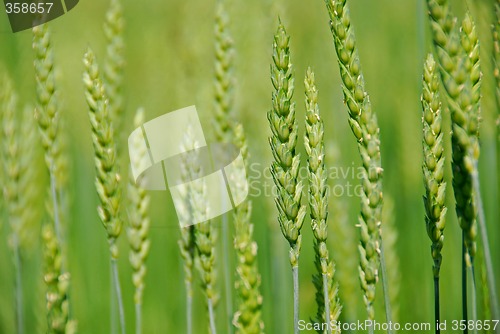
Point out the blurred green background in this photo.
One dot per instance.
(170, 65)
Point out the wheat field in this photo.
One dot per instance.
(352, 138)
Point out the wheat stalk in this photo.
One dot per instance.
(433, 170)
(285, 167)
(489, 273)
(138, 231)
(329, 307)
(248, 317)
(363, 123)
(107, 178)
(496, 72)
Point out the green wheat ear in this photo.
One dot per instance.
(57, 282)
(224, 79)
(248, 317)
(138, 230)
(107, 181)
(434, 159)
(107, 178)
(285, 167)
(433, 170)
(364, 125)
(329, 307)
(206, 237)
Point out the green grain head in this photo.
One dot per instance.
(434, 159)
(283, 141)
(318, 205)
(364, 125)
(138, 230)
(107, 178)
(224, 81)
(57, 282)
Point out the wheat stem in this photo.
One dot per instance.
(490, 275)
(18, 285)
(189, 308)
(118, 291)
(211, 316)
(227, 276)
(138, 318)
(437, 314)
(473, 297)
(496, 72)
(494, 300)
(295, 275)
(327, 302)
(465, 316)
